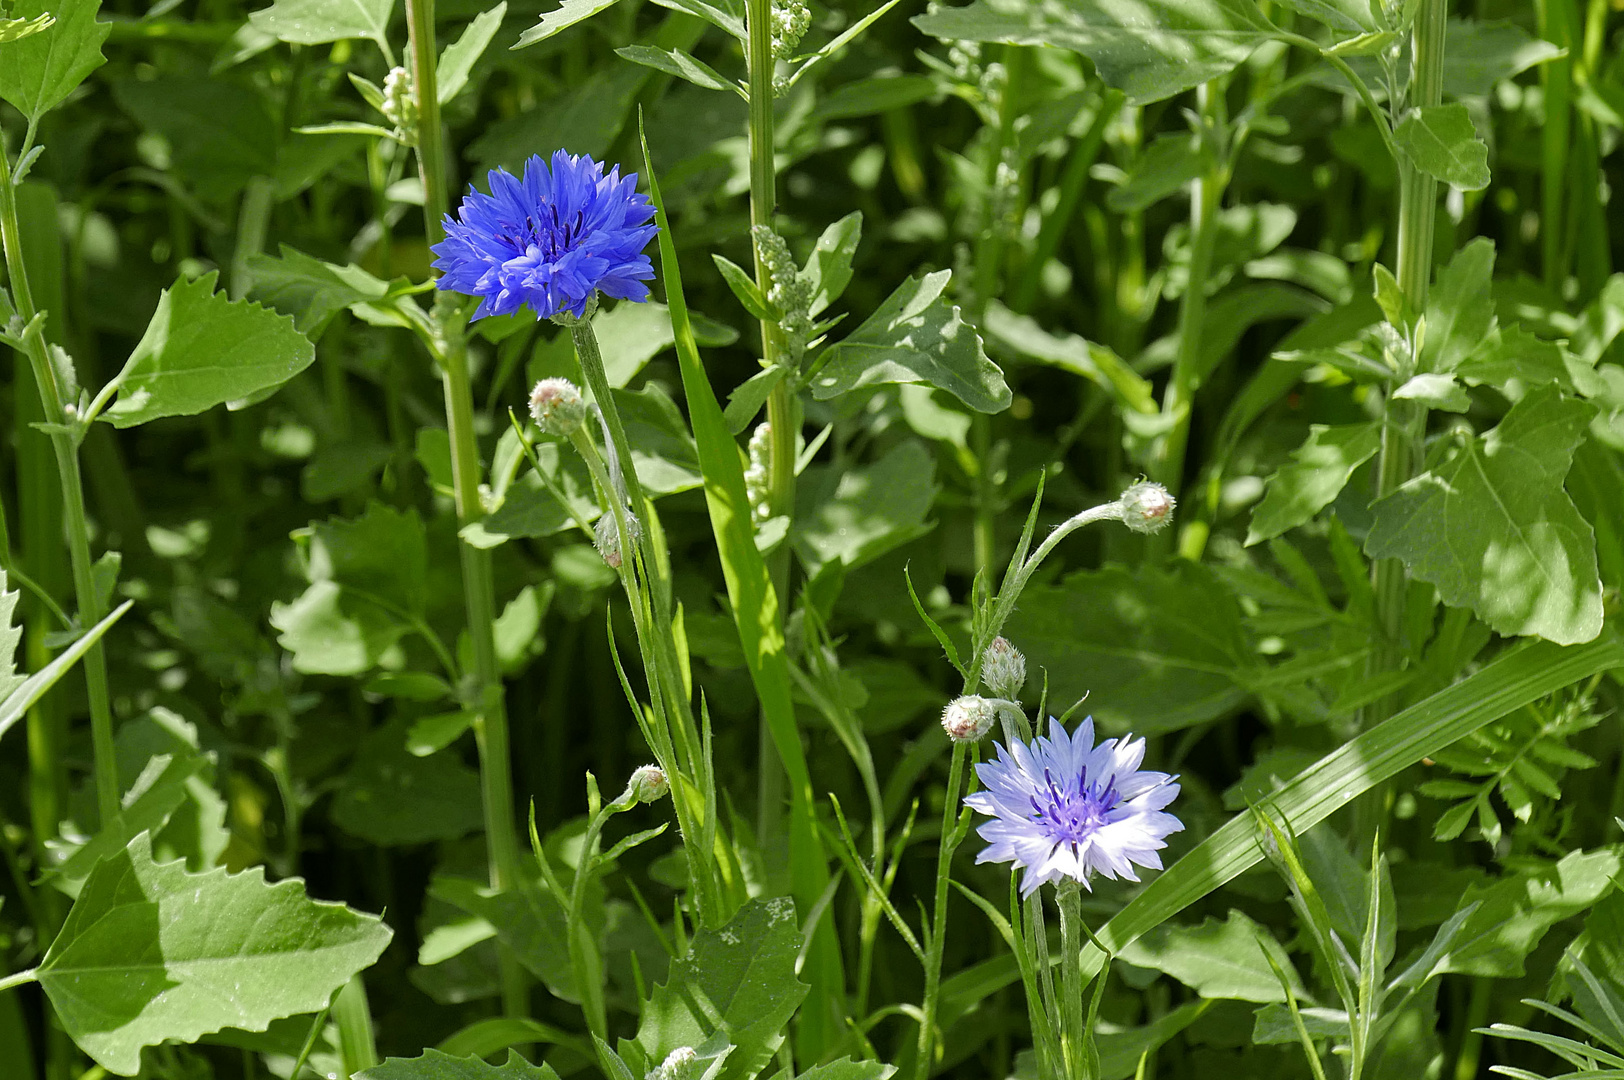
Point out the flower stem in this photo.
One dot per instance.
(479, 593)
(938, 932)
(1073, 1036)
(65, 443)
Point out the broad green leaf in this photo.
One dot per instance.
(1344, 17)
(738, 982)
(873, 95)
(1493, 529)
(1273, 1025)
(1512, 357)
(145, 808)
(1478, 55)
(315, 22)
(1169, 163)
(1096, 363)
(11, 635)
(1515, 913)
(828, 268)
(202, 350)
(1516, 678)
(1324, 463)
(38, 72)
(529, 922)
(529, 507)
(1435, 390)
(1152, 649)
(1217, 959)
(1460, 308)
(458, 60)
(1442, 142)
(1149, 49)
(434, 1065)
(847, 1069)
(150, 952)
(220, 133)
(916, 336)
(855, 515)
(563, 17)
(392, 797)
(679, 63)
(310, 290)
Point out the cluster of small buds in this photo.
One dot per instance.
(1003, 669)
(966, 719)
(791, 19)
(557, 407)
(648, 784)
(1147, 507)
(993, 82)
(965, 56)
(399, 101)
(678, 1065)
(606, 537)
(788, 291)
(758, 477)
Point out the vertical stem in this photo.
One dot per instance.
(65, 445)
(479, 593)
(938, 931)
(1073, 1037)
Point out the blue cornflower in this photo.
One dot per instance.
(1063, 807)
(550, 240)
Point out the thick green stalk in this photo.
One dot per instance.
(1205, 196)
(479, 593)
(65, 445)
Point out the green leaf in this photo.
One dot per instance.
(310, 290)
(873, 95)
(22, 698)
(563, 17)
(726, 15)
(11, 636)
(1460, 308)
(150, 952)
(201, 350)
(916, 336)
(1096, 363)
(679, 63)
(1510, 358)
(1152, 649)
(434, 1065)
(854, 515)
(220, 133)
(1216, 959)
(1493, 529)
(738, 982)
(1149, 49)
(847, 1069)
(1342, 16)
(40, 71)
(1478, 55)
(1516, 912)
(392, 797)
(1509, 682)
(828, 268)
(745, 289)
(1169, 163)
(529, 921)
(1442, 142)
(145, 808)
(583, 120)
(1324, 463)
(315, 22)
(1436, 391)
(458, 59)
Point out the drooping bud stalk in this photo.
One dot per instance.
(758, 477)
(1147, 507)
(648, 784)
(678, 1065)
(1003, 669)
(966, 719)
(557, 407)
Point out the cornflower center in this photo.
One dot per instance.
(1068, 812)
(551, 239)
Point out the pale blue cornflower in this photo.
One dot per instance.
(1063, 807)
(549, 241)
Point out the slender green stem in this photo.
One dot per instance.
(938, 932)
(479, 592)
(583, 952)
(1073, 1037)
(19, 979)
(65, 443)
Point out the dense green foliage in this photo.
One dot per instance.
(325, 674)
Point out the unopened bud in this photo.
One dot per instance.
(1147, 507)
(1003, 669)
(648, 784)
(557, 406)
(606, 537)
(968, 718)
(399, 104)
(678, 1065)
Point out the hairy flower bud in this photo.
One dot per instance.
(678, 1065)
(1003, 669)
(399, 102)
(557, 406)
(648, 784)
(606, 537)
(968, 718)
(1146, 507)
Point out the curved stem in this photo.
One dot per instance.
(65, 443)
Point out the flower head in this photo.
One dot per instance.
(648, 784)
(1063, 807)
(1147, 507)
(557, 407)
(968, 718)
(549, 241)
(1003, 668)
